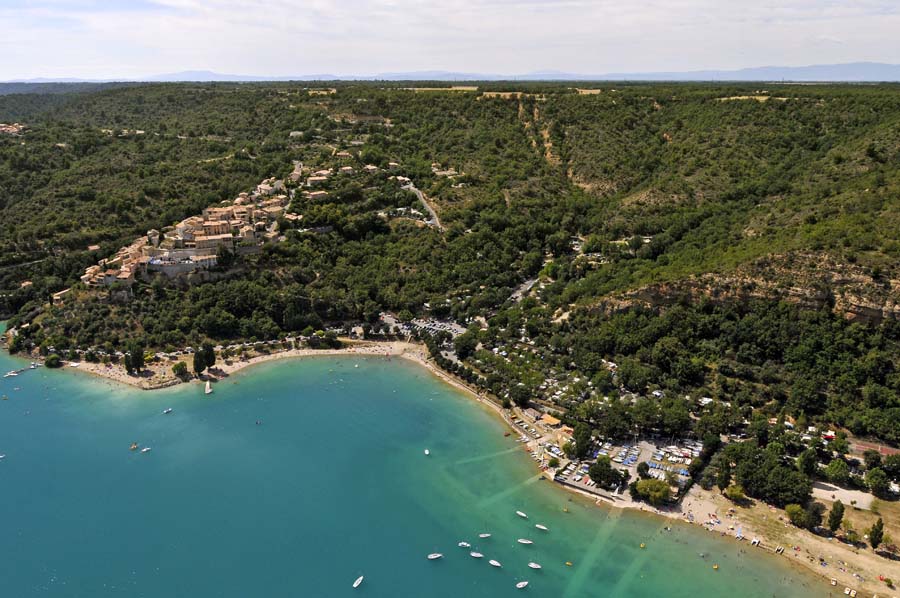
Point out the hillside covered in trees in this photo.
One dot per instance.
(733, 242)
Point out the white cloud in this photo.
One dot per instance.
(88, 38)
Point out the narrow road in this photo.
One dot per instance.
(11, 266)
(421, 196)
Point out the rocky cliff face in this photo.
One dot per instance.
(811, 280)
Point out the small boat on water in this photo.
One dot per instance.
(427, 452)
(435, 556)
(146, 449)
(524, 541)
(534, 565)
(521, 514)
(484, 535)
(2, 457)
(522, 584)
(358, 581)
(476, 555)
(133, 447)
(208, 389)
(464, 545)
(167, 411)
(542, 527)
(11, 374)
(495, 563)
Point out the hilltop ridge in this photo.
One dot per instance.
(708, 240)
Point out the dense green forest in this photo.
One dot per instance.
(709, 240)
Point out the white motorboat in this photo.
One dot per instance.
(476, 555)
(524, 541)
(435, 556)
(2, 457)
(542, 527)
(534, 565)
(464, 545)
(427, 452)
(495, 563)
(167, 411)
(11, 374)
(208, 389)
(484, 535)
(522, 584)
(146, 449)
(521, 514)
(358, 581)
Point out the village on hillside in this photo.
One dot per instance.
(195, 243)
(239, 227)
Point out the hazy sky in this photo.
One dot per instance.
(133, 38)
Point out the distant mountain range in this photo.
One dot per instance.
(849, 72)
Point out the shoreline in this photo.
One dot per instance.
(703, 505)
(157, 376)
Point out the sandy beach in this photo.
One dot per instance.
(853, 568)
(158, 375)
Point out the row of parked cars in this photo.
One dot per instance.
(528, 429)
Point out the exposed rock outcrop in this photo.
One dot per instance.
(810, 280)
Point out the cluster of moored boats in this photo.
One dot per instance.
(434, 556)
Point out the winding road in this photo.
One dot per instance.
(434, 217)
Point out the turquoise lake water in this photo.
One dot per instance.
(332, 484)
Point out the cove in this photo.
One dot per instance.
(331, 484)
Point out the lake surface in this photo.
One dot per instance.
(331, 484)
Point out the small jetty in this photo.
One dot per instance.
(13, 373)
